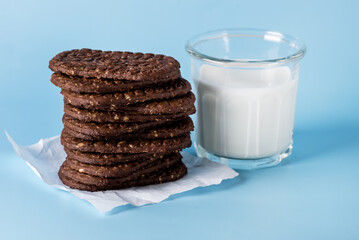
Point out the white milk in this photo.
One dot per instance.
(245, 113)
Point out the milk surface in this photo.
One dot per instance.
(245, 113)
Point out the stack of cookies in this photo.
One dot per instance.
(126, 118)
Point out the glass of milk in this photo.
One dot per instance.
(246, 85)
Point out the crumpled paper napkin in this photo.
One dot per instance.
(46, 157)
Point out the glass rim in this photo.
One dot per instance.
(293, 42)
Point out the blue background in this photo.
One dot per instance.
(313, 195)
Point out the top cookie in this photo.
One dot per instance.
(115, 65)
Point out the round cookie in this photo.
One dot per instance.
(115, 65)
(123, 169)
(86, 115)
(109, 158)
(95, 85)
(170, 174)
(98, 131)
(85, 178)
(135, 146)
(118, 99)
(169, 106)
(106, 129)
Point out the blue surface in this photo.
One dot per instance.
(313, 195)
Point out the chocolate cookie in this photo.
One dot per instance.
(106, 129)
(170, 106)
(118, 99)
(135, 146)
(109, 158)
(115, 65)
(135, 168)
(86, 115)
(95, 85)
(80, 176)
(100, 131)
(173, 173)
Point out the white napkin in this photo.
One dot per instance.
(46, 157)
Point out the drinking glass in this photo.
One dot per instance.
(246, 86)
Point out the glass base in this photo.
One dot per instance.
(245, 164)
